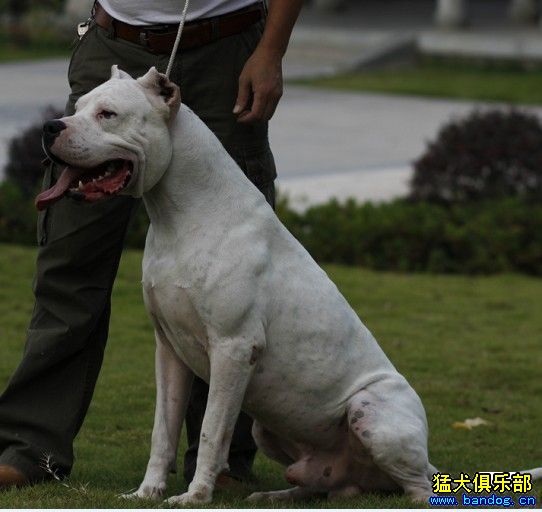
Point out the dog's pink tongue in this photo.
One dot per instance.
(57, 191)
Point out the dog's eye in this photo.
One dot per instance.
(106, 114)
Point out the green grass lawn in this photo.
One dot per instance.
(15, 54)
(445, 79)
(469, 346)
(433, 78)
(38, 48)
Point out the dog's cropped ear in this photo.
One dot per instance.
(162, 89)
(118, 73)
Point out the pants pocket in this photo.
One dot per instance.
(42, 215)
(259, 167)
(257, 164)
(79, 43)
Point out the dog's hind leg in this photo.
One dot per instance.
(271, 446)
(173, 384)
(284, 453)
(387, 422)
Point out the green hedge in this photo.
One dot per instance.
(478, 238)
(17, 215)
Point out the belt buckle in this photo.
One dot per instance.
(152, 30)
(144, 39)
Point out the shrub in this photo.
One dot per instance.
(478, 238)
(473, 237)
(25, 154)
(487, 155)
(17, 215)
(17, 8)
(137, 231)
(37, 25)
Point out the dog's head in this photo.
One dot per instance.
(117, 142)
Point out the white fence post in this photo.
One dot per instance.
(451, 13)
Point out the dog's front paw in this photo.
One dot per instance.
(147, 492)
(190, 498)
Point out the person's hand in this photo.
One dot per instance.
(260, 87)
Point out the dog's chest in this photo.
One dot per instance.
(176, 318)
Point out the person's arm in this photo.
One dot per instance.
(260, 83)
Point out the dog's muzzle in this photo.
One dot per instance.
(51, 130)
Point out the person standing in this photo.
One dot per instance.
(229, 70)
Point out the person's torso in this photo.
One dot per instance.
(156, 12)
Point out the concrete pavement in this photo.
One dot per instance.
(334, 144)
(364, 32)
(26, 89)
(326, 143)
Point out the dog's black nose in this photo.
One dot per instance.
(51, 129)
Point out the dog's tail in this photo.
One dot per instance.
(536, 473)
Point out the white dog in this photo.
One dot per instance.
(236, 300)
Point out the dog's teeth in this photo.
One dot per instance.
(80, 184)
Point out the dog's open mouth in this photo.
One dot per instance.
(88, 184)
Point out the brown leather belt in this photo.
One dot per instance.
(160, 38)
